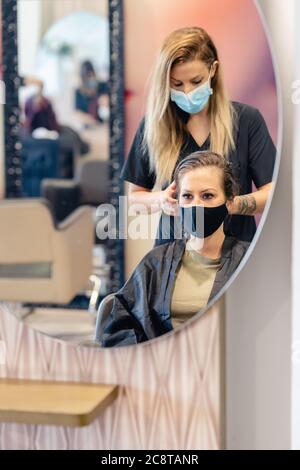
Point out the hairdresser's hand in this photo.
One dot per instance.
(168, 203)
(233, 205)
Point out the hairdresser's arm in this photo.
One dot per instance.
(147, 201)
(252, 203)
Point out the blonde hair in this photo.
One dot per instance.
(164, 129)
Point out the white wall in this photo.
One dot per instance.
(29, 34)
(296, 250)
(259, 315)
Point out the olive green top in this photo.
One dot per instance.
(193, 284)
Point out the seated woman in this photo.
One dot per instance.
(176, 280)
(40, 115)
(87, 97)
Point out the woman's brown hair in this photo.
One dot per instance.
(203, 159)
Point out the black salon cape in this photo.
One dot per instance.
(141, 308)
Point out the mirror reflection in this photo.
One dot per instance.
(207, 161)
(57, 270)
(200, 158)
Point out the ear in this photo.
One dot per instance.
(214, 68)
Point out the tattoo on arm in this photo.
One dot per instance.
(246, 205)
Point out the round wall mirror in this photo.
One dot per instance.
(114, 235)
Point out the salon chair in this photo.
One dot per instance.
(90, 187)
(102, 315)
(42, 261)
(40, 159)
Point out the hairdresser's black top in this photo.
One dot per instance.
(141, 309)
(252, 161)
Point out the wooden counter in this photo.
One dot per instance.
(53, 403)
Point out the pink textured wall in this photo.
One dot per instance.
(237, 31)
(169, 390)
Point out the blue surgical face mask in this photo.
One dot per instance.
(194, 101)
(91, 83)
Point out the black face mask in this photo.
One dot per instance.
(202, 221)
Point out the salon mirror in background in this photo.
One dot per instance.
(58, 166)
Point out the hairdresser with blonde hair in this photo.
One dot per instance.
(188, 111)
